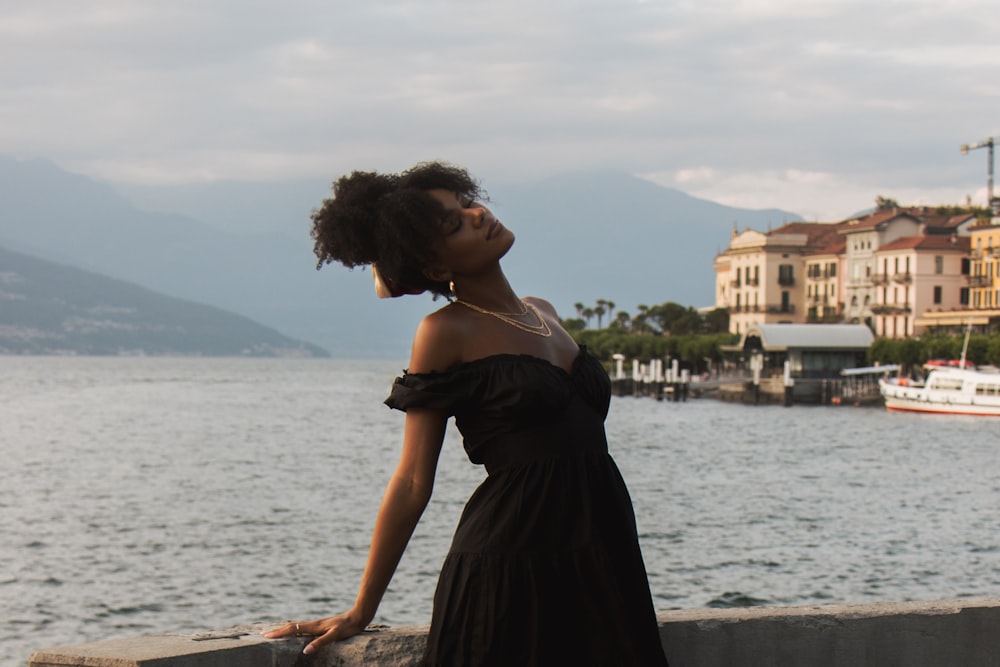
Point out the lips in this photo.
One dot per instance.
(493, 229)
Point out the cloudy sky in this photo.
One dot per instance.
(815, 106)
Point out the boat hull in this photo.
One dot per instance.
(946, 392)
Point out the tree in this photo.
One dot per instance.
(599, 311)
(883, 203)
(717, 321)
(587, 314)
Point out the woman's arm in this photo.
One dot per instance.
(405, 498)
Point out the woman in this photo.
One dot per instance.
(544, 567)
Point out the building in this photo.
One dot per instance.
(979, 306)
(916, 274)
(760, 278)
(825, 283)
(888, 269)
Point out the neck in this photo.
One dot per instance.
(493, 294)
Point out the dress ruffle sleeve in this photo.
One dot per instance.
(447, 391)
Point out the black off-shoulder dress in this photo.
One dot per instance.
(544, 568)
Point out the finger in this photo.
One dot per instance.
(289, 629)
(328, 637)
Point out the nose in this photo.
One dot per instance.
(477, 215)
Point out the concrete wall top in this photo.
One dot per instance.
(946, 633)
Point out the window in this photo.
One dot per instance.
(937, 295)
(938, 264)
(833, 269)
(963, 296)
(785, 275)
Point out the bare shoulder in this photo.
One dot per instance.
(542, 305)
(437, 344)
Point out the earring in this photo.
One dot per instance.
(451, 288)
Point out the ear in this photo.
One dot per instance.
(438, 274)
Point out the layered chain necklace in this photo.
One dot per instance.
(540, 329)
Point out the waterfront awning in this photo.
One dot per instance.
(953, 319)
(784, 337)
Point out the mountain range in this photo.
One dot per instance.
(245, 247)
(49, 308)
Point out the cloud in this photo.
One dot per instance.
(818, 103)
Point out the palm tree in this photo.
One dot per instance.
(579, 309)
(639, 321)
(623, 319)
(587, 314)
(610, 305)
(599, 311)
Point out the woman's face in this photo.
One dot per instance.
(473, 238)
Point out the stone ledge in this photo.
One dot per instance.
(944, 633)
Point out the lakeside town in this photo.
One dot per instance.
(901, 270)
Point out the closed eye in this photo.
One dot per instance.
(451, 222)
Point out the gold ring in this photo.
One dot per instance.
(298, 633)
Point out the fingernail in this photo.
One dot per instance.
(308, 649)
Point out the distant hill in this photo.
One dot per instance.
(245, 247)
(48, 308)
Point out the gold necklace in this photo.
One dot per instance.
(540, 329)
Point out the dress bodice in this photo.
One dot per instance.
(514, 408)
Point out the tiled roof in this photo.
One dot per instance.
(838, 246)
(873, 220)
(818, 233)
(922, 214)
(930, 242)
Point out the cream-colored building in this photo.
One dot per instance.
(898, 270)
(863, 237)
(760, 277)
(825, 284)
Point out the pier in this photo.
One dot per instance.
(946, 633)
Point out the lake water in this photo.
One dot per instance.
(143, 496)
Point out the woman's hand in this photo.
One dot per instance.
(325, 630)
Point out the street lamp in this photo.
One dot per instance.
(994, 204)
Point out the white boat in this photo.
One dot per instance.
(946, 390)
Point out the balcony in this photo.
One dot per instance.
(786, 281)
(980, 281)
(743, 309)
(736, 283)
(891, 309)
(752, 282)
(824, 318)
(783, 308)
(880, 278)
(903, 278)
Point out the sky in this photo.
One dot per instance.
(811, 106)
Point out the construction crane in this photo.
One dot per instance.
(993, 204)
